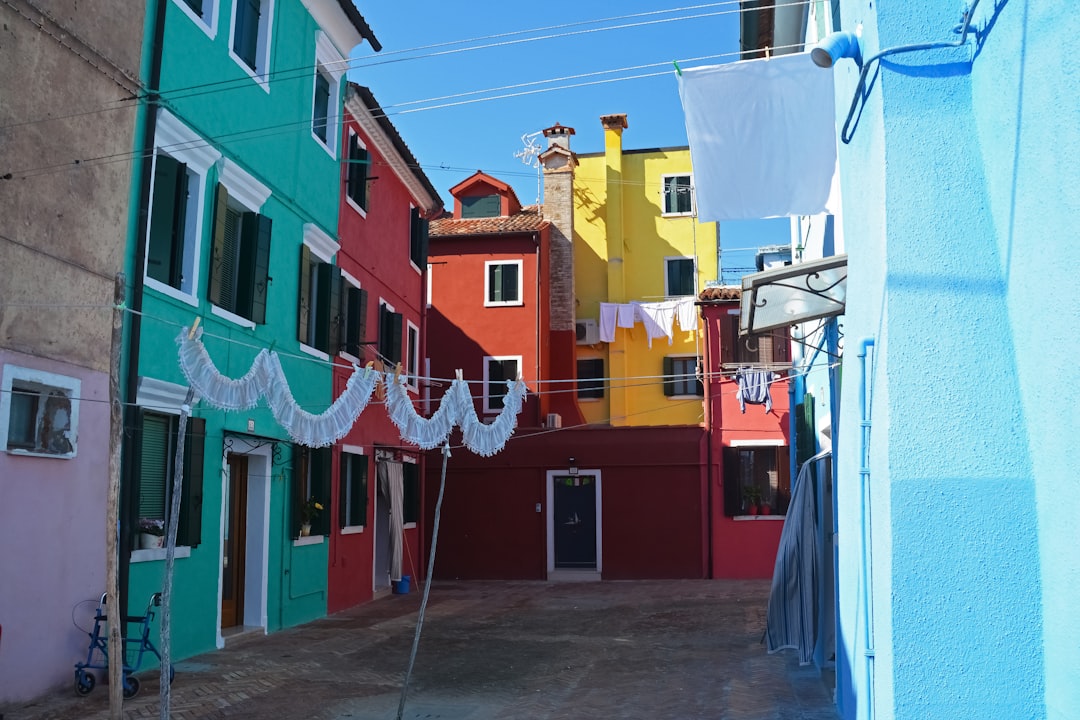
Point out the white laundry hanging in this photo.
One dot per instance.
(657, 318)
(626, 316)
(427, 433)
(267, 379)
(686, 313)
(608, 316)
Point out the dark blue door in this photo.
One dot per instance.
(575, 521)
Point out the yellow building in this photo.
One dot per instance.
(637, 240)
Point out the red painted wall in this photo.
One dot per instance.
(653, 494)
(744, 548)
(375, 251)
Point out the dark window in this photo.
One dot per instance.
(412, 355)
(357, 176)
(322, 105)
(503, 283)
(155, 450)
(40, 419)
(311, 484)
(240, 260)
(678, 196)
(418, 239)
(773, 347)
(410, 501)
(354, 319)
(319, 312)
(680, 276)
(353, 491)
(246, 32)
(756, 480)
(196, 5)
(590, 383)
(681, 377)
(165, 250)
(389, 335)
(499, 371)
(481, 206)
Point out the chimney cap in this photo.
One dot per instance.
(611, 122)
(558, 129)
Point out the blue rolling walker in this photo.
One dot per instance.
(97, 656)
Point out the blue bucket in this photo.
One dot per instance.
(401, 587)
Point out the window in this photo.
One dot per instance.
(590, 382)
(326, 98)
(174, 230)
(155, 450)
(353, 491)
(773, 347)
(39, 412)
(412, 355)
(756, 478)
(250, 46)
(389, 334)
(418, 239)
(678, 195)
(203, 12)
(410, 502)
(481, 206)
(679, 276)
(239, 272)
(311, 479)
(497, 370)
(320, 303)
(502, 282)
(681, 378)
(353, 319)
(356, 179)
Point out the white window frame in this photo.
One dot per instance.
(261, 73)
(429, 284)
(178, 141)
(488, 302)
(207, 23)
(412, 352)
(245, 193)
(664, 195)
(359, 451)
(352, 203)
(693, 263)
(328, 61)
(72, 387)
(693, 357)
(488, 409)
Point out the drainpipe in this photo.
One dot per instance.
(146, 126)
(867, 579)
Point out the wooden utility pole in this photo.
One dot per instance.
(112, 512)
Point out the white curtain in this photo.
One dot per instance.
(392, 483)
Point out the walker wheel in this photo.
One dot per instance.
(172, 673)
(131, 687)
(84, 682)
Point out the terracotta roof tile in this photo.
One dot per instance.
(530, 219)
(723, 292)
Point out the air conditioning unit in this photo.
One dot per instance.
(587, 331)
(554, 420)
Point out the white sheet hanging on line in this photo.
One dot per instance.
(686, 313)
(762, 137)
(626, 315)
(657, 318)
(609, 313)
(267, 379)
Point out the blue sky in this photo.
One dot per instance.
(453, 142)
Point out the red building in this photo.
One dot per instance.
(749, 445)
(385, 202)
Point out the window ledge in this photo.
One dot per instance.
(741, 518)
(349, 356)
(31, 453)
(677, 215)
(491, 303)
(170, 291)
(260, 78)
(308, 540)
(352, 530)
(685, 397)
(316, 352)
(232, 317)
(355, 206)
(151, 554)
(408, 526)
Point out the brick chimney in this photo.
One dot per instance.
(559, 162)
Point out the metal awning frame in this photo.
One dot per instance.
(807, 291)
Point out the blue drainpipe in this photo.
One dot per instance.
(866, 395)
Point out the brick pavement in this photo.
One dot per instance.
(635, 649)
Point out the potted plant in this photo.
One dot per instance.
(751, 496)
(308, 512)
(151, 533)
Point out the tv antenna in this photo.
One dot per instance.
(530, 155)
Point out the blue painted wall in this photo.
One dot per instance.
(963, 256)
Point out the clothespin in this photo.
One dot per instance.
(397, 372)
(768, 53)
(457, 374)
(194, 327)
(678, 70)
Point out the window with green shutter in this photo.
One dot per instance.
(418, 239)
(590, 378)
(481, 206)
(311, 481)
(357, 176)
(757, 480)
(319, 311)
(165, 248)
(410, 502)
(503, 282)
(240, 259)
(353, 490)
(679, 277)
(322, 104)
(155, 450)
(354, 319)
(678, 195)
(390, 329)
(497, 370)
(246, 31)
(681, 377)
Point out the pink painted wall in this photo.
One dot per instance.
(53, 545)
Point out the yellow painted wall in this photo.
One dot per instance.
(632, 180)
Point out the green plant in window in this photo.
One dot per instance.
(310, 510)
(752, 495)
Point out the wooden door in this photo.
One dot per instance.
(232, 545)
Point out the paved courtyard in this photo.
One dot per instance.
(641, 649)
